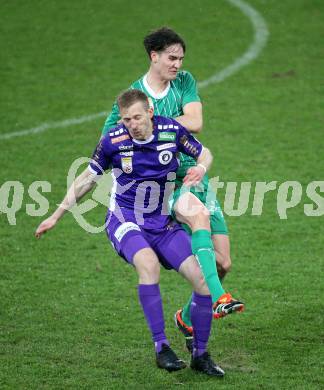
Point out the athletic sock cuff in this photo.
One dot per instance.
(148, 289)
(202, 300)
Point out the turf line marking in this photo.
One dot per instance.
(54, 125)
(261, 34)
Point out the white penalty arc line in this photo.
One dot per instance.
(261, 34)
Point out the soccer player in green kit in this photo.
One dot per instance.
(173, 93)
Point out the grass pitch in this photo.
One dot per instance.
(69, 316)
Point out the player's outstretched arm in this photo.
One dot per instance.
(81, 186)
(195, 174)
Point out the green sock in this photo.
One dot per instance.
(185, 315)
(202, 248)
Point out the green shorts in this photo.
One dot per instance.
(217, 220)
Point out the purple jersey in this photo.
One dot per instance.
(141, 169)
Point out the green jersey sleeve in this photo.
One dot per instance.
(112, 119)
(190, 90)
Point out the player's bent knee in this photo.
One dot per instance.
(197, 220)
(149, 274)
(190, 210)
(227, 265)
(147, 266)
(224, 262)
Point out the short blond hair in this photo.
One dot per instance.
(130, 97)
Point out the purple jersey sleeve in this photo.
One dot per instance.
(100, 160)
(187, 143)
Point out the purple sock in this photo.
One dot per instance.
(201, 318)
(150, 298)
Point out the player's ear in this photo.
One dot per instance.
(154, 56)
(150, 101)
(151, 107)
(151, 112)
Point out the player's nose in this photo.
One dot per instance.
(178, 64)
(133, 125)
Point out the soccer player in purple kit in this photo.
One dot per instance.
(142, 153)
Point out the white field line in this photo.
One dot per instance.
(261, 34)
(260, 38)
(53, 125)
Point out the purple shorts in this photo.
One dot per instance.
(171, 243)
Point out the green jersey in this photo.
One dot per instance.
(169, 103)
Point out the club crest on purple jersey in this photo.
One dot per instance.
(165, 157)
(127, 164)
